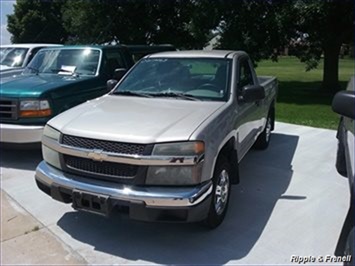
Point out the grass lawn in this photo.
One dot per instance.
(300, 99)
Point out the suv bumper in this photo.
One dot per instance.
(20, 134)
(146, 203)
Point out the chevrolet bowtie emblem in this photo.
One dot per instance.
(97, 155)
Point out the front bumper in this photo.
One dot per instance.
(148, 203)
(20, 134)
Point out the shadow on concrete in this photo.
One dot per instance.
(265, 176)
(25, 159)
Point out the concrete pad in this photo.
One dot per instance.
(15, 221)
(290, 201)
(38, 247)
(24, 240)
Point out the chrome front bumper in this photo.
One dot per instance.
(20, 134)
(151, 196)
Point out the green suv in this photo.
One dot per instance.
(57, 79)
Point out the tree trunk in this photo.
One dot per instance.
(330, 69)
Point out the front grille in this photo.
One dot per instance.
(8, 109)
(107, 146)
(109, 169)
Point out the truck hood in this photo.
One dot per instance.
(31, 85)
(134, 119)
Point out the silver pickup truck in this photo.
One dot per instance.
(165, 143)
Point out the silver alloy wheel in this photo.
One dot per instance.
(268, 129)
(221, 193)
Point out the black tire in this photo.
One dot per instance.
(341, 161)
(263, 140)
(219, 203)
(349, 248)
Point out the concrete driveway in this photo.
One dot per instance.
(290, 201)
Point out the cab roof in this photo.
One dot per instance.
(30, 45)
(90, 46)
(198, 54)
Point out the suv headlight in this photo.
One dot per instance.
(35, 108)
(49, 155)
(176, 175)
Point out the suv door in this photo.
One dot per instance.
(343, 103)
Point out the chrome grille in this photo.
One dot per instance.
(117, 170)
(108, 146)
(8, 109)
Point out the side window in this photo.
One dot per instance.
(113, 59)
(245, 74)
(33, 53)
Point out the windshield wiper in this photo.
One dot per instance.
(34, 69)
(176, 95)
(131, 93)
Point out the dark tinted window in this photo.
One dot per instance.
(112, 60)
(245, 74)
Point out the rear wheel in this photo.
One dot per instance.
(220, 193)
(263, 140)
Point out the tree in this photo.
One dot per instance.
(260, 27)
(37, 21)
(135, 21)
(327, 24)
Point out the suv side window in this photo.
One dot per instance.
(245, 74)
(33, 53)
(112, 60)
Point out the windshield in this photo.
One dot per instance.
(12, 57)
(204, 79)
(65, 61)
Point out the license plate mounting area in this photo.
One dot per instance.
(91, 202)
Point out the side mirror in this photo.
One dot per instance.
(344, 103)
(252, 93)
(119, 73)
(111, 83)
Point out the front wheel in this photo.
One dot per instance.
(220, 193)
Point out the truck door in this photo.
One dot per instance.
(248, 113)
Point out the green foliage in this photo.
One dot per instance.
(259, 27)
(135, 22)
(37, 21)
(300, 101)
(328, 24)
(316, 28)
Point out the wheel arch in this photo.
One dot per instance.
(228, 151)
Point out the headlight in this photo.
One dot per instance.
(50, 132)
(35, 108)
(49, 155)
(176, 175)
(179, 148)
